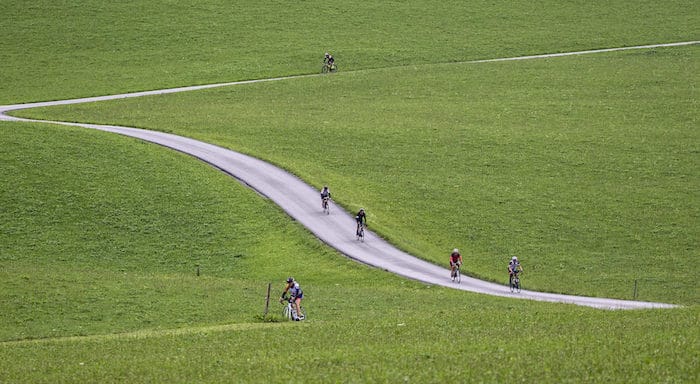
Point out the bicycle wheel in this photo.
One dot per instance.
(517, 284)
(511, 283)
(287, 311)
(458, 276)
(324, 68)
(361, 235)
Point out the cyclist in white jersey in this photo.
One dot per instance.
(296, 294)
(514, 268)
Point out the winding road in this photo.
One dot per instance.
(301, 201)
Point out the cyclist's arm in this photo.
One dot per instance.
(286, 288)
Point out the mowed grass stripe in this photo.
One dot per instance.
(153, 333)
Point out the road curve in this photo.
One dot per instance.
(301, 202)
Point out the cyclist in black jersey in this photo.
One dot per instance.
(325, 194)
(361, 219)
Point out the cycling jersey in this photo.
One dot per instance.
(295, 291)
(513, 266)
(455, 257)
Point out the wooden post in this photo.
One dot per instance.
(635, 289)
(267, 300)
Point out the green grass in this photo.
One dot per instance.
(594, 157)
(147, 317)
(57, 50)
(583, 164)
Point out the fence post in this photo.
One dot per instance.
(635, 289)
(267, 300)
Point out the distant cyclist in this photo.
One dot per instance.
(325, 195)
(514, 268)
(296, 294)
(455, 260)
(329, 61)
(361, 219)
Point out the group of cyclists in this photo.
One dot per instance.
(514, 267)
(360, 217)
(296, 294)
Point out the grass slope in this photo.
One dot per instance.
(100, 235)
(57, 50)
(584, 164)
(147, 317)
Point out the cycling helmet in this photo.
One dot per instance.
(327, 54)
(455, 250)
(362, 209)
(515, 258)
(290, 279)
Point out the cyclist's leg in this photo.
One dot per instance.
(297, 305)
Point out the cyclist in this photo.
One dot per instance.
(325, 194)
(455, 261)
(296, 294)
(514, 268)
(361, 219)
(329, 61)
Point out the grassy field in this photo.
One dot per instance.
(56, 50)
(127, 291)
(586, 162)
(592, 157)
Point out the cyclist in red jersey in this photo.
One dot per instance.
(455, 260)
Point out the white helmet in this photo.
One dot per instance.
(515, 258)
(455, 250)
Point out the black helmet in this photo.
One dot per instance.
(290, 279)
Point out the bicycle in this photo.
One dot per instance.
(326, 206)
(289, 311)
(515, 282)
(361, 233)
(329, 68)
(456, 274)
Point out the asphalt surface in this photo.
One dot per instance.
(302, 202)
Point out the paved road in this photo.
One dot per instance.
(301, 202)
